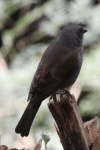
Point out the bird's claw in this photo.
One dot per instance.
(53, 97)
(62, 92)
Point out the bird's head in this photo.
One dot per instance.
(72, 34)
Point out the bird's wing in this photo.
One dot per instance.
(57, 74)
(49, 77)
(35, 82)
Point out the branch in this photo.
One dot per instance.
(69, 123)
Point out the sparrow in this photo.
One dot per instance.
(59, 68)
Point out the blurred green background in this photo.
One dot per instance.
(26, 29)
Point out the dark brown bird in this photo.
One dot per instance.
(58, 69)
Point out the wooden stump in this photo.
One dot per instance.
(69, 123)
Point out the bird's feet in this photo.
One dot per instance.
(53, 96)
(62, 92)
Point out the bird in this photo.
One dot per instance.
(58, 69)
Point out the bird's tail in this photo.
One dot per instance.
(26, 120)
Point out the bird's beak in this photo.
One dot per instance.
(84, 31)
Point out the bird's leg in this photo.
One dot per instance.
(62, 92)
(53, 96)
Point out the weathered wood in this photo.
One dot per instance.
(69, 123)
(38, 146)
(93, 133)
